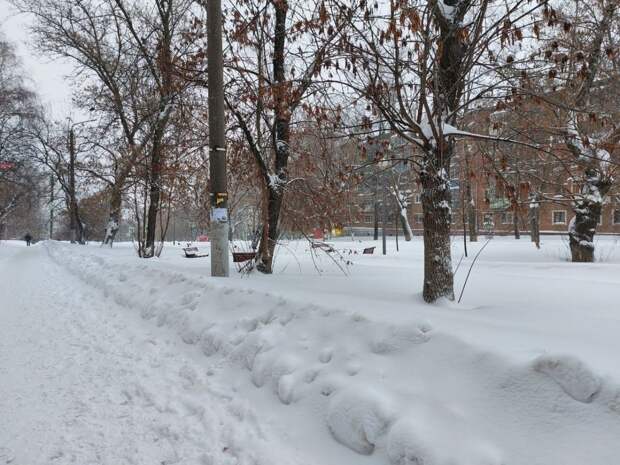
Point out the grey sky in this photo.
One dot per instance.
(46, 77)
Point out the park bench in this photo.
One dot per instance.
(192, 252)
(369, 250)
(240, 257)
(323, 246)
(244, 260)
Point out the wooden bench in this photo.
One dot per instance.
(192, 252)
(240, 257)
(246, 258)
(323, 246)
(369, 250)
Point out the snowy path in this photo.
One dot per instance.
(82, 382)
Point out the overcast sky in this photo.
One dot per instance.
(46, 77)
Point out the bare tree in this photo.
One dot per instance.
(413, 62)
(277, 50)
(126, 55)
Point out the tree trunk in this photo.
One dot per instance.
(114, 220)
(376, 219)
(515, 221)
(166, 96)
(269, 240)
(534, 217)
(438, 278)
(588, 207)
(281, 139)
(154, 200)
(471, 206)
(472, 221)
(404, 221)
(75, 223)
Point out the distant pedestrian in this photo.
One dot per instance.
(28, 239)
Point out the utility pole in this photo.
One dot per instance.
(218, 234)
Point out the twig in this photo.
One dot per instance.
(470, 268)
(458, 266)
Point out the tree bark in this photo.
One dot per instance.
(588, 208)
(404, 221)
(114, 220)
(270, 231)
(438, 278)
(281, 140)
(438, 275)
(164, 65)
(515, 221)
(597, 182)
(534, 217)
(471, 206)
(154, 201)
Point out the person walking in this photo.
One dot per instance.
(28, 239)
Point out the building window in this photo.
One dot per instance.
(419, 218)
(487, 218)
(417, 198)
(368, 218)
(616, 217)
(506, 217)
(559, 217)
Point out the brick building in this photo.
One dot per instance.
(501, 193)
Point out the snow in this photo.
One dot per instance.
(358, 417)
(107, 358)
(575, 378)
(447, 11)
(275, 181)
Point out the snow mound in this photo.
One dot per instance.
(358, 417)
(393, 338)
(573, 376)
(421, 442)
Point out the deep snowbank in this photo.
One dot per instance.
(401, 392)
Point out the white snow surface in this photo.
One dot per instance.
(109, 359)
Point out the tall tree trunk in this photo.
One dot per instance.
(166, 96)
(270, 237)
(72, 225)
(534, 217)
(471, 205)
(515, 221)
(588, 207)
(114, 220)
(404, 221)
(281, 140)
(375, 235)
(438, 275)
(438, 278)
(597, 182)
(472, 221)
(154, 201)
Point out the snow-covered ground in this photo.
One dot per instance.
(109, 359)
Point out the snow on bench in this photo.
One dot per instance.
(192, 252)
